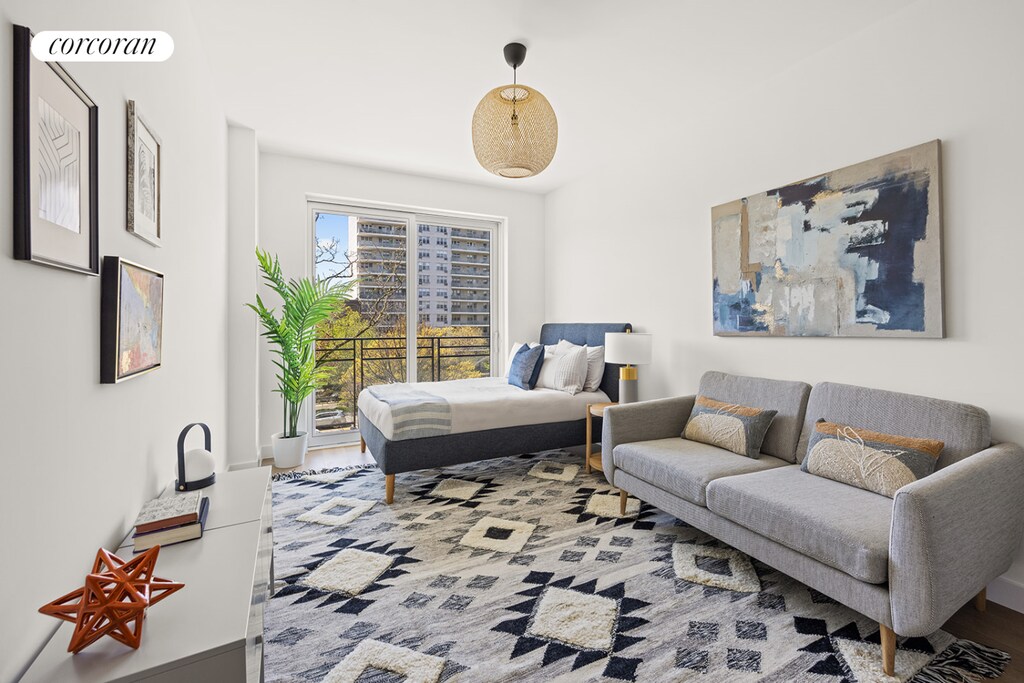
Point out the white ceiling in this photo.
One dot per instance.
(393, 83)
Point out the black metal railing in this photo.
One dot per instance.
(353, 363)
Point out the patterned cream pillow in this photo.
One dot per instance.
(881, 463)
(565, 371)
(735, 428)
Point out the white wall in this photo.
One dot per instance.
(243, 339)
(948, 70)
(284, 229)
(80, 458)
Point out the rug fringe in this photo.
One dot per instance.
(963, 662)
(287, 476)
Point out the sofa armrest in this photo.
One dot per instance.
(952, 533)
(628, 422)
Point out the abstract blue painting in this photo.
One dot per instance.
(852, 253)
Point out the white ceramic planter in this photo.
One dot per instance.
(289, 452)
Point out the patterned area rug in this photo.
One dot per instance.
(521, 569)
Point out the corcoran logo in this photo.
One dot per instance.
(102, 46)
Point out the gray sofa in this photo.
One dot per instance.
(908, 563)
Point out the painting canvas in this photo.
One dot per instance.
(851, 253)
(133, 301)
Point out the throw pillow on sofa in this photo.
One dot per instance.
(735, 428)
(526, 367)
(881, 463)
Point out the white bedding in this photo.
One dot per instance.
(489, 403)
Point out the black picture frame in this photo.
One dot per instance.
(112, 309)
(22, 155)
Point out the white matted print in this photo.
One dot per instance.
(55, 165)
(143, 219)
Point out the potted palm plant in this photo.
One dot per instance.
(305, 304)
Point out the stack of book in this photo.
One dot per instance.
(171, 519)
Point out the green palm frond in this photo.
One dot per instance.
(292, 336)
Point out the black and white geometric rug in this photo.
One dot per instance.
(521, 569)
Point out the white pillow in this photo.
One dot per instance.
(595, 368)
(565, 372)
(595, 363)
(512, 353)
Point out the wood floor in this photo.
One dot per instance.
(998, 627)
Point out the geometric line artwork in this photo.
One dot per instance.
(59, 169)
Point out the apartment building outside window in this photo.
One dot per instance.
(387, 325)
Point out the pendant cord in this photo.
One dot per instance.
(515, 91)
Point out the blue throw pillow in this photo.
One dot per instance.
(525, 368)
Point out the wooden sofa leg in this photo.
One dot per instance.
(623, 497)
(888, 649)
(389, 488)
(981, 600)
(362, 445)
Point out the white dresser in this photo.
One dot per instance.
(211, 630)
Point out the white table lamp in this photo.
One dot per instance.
(627, 349)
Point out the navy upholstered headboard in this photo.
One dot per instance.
(589, 334)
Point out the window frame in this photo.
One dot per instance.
(414, 217)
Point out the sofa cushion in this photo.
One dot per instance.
(787, 398)
(882, 463)
(963, 428)
(736, 428)
(685, 467)
(844, 527)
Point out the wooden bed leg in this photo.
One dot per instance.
(362, 444)
(623, 497)
(981, 600)
(888, 649)
(389, 488)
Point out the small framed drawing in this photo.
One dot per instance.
(143, 218)
(56, 165)
(132, 320)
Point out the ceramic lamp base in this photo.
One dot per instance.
(628, 390)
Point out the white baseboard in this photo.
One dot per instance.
(1007, 593)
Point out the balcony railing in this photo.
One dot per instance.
(373, 229)
(353, 363)
(475, 247)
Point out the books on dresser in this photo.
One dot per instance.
(173, 534)
(168, 511)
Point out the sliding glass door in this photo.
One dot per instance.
(422, 306)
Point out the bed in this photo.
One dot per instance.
(487, 417)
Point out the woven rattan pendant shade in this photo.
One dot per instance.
(514, 141)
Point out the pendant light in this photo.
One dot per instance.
(514, 127)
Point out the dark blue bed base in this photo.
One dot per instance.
(395, 457)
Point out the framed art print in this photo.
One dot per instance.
(132, 320)
(143, 217)
(56, 165)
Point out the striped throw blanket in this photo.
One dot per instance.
(415, 413)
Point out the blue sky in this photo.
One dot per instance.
(328, 226)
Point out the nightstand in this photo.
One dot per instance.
(593, 460)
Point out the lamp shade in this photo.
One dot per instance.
(627, 348)
(515, 131)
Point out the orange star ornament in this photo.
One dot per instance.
(114, 599)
